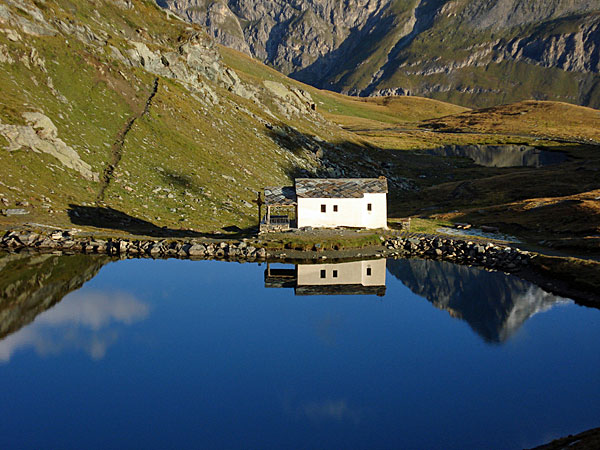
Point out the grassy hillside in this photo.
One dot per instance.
(169, 133)
(343, 109)
(544, 119)
(558, 204)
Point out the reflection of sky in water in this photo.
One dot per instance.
(336, 410)
(222, 362)
(83, 320)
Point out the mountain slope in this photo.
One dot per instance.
(474, 53)
(121, 110)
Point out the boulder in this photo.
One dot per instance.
(15, 212)
(196, 250)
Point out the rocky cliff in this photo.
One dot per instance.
(475, 53)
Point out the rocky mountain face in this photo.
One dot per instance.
(472, 52)
(493, 304)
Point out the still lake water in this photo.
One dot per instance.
(183, 354)
(502, 155)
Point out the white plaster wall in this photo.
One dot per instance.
(378, 271)
(377, 218)
(348, 273)
(352, 212)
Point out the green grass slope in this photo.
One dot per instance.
(344, 109)
(173, 137)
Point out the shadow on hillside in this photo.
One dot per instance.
(422, 184)
(325, 153)
(112, 219)
(419, 184)
(292, 139)
(181, 181)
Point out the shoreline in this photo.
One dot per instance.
(472, 252)
(537, 268)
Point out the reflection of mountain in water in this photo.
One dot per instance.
(495, 305)
(30, 284)
(501, 155)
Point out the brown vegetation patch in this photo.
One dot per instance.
(535, 118)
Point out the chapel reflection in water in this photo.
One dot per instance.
(366, 277)
(495, 305)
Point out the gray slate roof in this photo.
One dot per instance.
(340, 187)
(280, 196)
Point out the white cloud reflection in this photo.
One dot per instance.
(325, 410)
(81, 321)
(337, 410)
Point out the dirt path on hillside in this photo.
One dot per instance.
(117, 146)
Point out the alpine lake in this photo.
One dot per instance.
(99, 353)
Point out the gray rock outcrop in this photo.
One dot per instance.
(290, 35)
(197, 56)
(365, 46)
(41, 136)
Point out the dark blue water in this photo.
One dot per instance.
(181, 354)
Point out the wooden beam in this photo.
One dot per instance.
(259, 203)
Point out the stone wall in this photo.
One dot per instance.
(193, 248)
(476, 253)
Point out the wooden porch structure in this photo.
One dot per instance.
(278, 199)
(280, 278)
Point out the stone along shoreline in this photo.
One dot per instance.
(482, 254)
(67, 241)
(486, 255)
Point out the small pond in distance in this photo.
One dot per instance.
(370, 354)
(502, 155)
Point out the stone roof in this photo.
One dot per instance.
(340, 187)
(340, 289)
(280, 196)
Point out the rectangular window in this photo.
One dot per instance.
(335, 274)
(323, 273)
(368, 271)
(335, 209)
(369, 207)
(323, 208)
